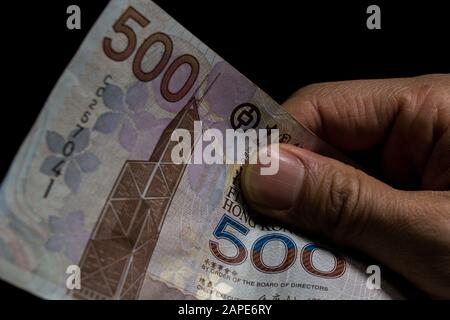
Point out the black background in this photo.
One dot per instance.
(279, 45)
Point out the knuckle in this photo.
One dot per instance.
(433, 96)
(428, 88)
(347, 215)
(431, 92)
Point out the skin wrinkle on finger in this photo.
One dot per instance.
(398, 114)
(328, 108)
(423, 111)
(405, 151)
(427, 108)
(437, 171)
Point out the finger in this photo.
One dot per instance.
(406, 116)
(326, 197)
(437, 171)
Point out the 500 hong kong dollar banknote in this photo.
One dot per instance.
(94, 186)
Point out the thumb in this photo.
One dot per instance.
(406, 230)
(326, 197)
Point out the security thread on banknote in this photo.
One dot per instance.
(96, 207)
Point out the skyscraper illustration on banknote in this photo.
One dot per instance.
(116, 258)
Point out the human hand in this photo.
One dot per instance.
(403, 124)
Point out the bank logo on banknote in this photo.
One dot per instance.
(94, 184)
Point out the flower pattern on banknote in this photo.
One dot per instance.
(67, 235)
(73, 163)
(139, 129)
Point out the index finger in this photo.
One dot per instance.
(356, 115)
(408, 118)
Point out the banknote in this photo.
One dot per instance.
(93, 188)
